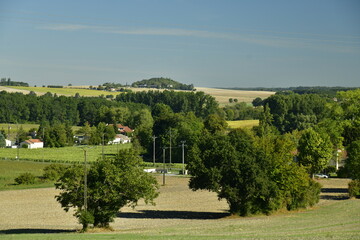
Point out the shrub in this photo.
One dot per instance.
(54, 171)
(354, 188)
(25, 178)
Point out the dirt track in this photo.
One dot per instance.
(37, 208)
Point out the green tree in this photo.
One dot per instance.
(353, 160)
(315, 150)
(2, 141)
(112, 184)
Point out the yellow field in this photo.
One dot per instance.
(221, 95)
(243, 123)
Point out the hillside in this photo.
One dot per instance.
(162, 83)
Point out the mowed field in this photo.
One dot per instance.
(182, 214)
(221, 95)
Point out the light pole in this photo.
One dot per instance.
(153, 137)
(183, 157)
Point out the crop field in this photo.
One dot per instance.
(243, 123)
(221, 95)
(182, 214)
(64, 154)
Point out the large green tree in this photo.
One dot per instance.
(111, 184)
(315, 150)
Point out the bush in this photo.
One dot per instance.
(54, 171)
(25, 178)
(354, 188)
(342, 172)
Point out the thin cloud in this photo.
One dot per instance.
(271, 39)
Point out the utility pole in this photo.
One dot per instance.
(43, 133)
(164, 167)
(85, 182)
(170, 146)
(183, 157)
(153, 137)
(17, 139)
(103, 146)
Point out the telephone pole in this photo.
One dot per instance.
(183, 157)
(170, 146)
(164, 167)
(153, 137)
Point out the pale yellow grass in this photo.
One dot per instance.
(223, 95)
(243, 123)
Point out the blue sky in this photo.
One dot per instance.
(207, 43)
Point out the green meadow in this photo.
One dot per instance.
(243, 123)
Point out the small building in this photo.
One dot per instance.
(120, 139)
(32, 143)
(123, 129)
(8, 143)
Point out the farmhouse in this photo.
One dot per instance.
(123, 129)
(120, 138)
(32, 143)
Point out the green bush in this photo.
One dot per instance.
(25, 178)
(54, 171)
(354, 188)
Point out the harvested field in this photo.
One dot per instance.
(183, 214)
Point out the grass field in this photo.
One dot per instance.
(9, 170)
(183, 214)
(64, 154)
(243, 123)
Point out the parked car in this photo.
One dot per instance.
(320, 175)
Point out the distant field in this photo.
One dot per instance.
(221, 95)
(64, 154)
(243, 123)
(65, 91)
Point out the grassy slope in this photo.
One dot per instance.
(68, 154)
(9, 170)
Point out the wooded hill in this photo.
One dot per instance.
(162, 83)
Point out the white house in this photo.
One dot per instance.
(8, 143)
(120, 138)
(33, 143)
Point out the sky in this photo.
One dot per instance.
(228, 43)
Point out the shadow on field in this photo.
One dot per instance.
(34, 230)
(173, 214)
(334, 194)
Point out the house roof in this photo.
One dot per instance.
(33, 141)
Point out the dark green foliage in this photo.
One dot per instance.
(2, 141)
(166, 83)
(111, 184)
(198, 102)
(241, 111)
(257, 102)
(354, 188)
(8, 82)
(25, 178)
(296, 112)
(353, 160)
(54, 171)
(255, 175)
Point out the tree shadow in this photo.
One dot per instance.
(34, 230)
(340, 194)
(156, 214)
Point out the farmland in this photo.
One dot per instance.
(181, 214)
(221, 95)
(64, 154)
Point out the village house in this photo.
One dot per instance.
(32, 143)
(123, 129)
(120, 139)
